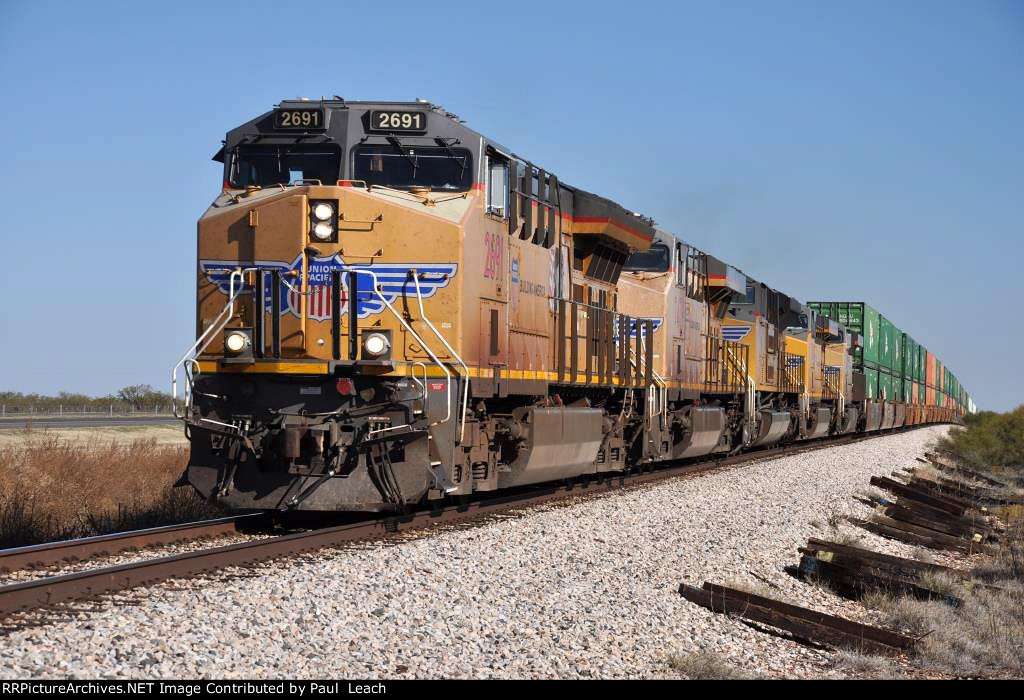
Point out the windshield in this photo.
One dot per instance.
(403, 166)
(263, 165)
(653, 260)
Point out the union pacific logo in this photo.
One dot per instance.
(735, 333)
(394, 280)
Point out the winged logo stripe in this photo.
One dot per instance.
(636, 326)
(393, 281)
(735, 333)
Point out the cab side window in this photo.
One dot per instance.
(497, 186)
(749, 298)
(696, 274)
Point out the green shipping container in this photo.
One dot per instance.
(859, 318)
(922, 393)
(908, 390)
(871, 383)
(897, 353)
(885, 387)
(922, 357)
(909, 352)
(887, 344)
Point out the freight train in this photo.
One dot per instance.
(394, 309)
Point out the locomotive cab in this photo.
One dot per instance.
(331, 256)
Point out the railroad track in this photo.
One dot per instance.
(52, 590)
(51, 554)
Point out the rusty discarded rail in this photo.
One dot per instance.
(803, 623)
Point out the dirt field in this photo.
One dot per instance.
(161, 435)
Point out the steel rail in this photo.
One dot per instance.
(96, 582)
(54, 553)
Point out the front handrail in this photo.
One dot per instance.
(465, 367)
(204, 340)
(414, 334)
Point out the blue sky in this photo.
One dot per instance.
(861, 150)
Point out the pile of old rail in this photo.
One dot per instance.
(809, 626)
(963, 474)
(930, 510)
(50, 554)
(45, 592)
(929, 513)
(853, 571)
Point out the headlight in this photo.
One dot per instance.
(323, 212)
(323, 231)
(236, 342)
(375, 344)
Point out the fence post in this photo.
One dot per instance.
(61, 409)
(111, 409)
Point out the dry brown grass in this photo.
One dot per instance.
(752, 587)
(984, 636)
(705, 666)
(52, 489)
(864, 665)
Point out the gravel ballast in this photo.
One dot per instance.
(585, 590)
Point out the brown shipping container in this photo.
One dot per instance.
(929, 373)
(913, 392)
(930, 396)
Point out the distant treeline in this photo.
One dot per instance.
(137, 397)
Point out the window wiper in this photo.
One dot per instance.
(444, 143)
(394, 141)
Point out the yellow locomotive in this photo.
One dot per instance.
(394, 308)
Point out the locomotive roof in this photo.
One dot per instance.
(444, 125)
(451, 126)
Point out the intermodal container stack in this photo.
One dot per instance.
(895, 366)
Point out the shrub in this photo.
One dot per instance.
(990, 440)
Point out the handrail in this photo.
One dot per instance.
(750, 389)
(205, 339)
(423, 384)
(415, 335)
(661, 386)
(440, 479)
(465, 384)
